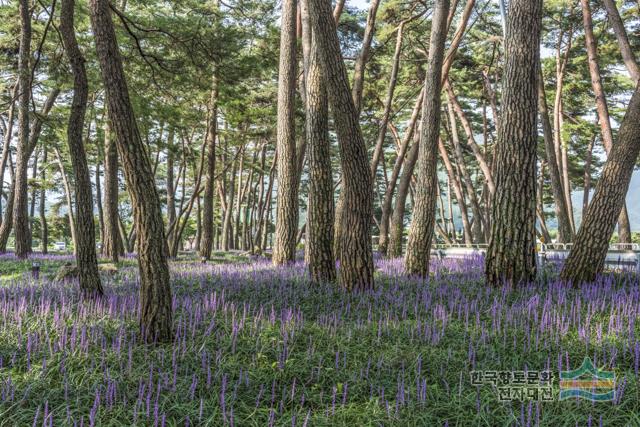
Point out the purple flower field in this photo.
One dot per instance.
(257, 345)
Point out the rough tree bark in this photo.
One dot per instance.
(206, 238)
(284, 249)
(112, 246)
(511, 253)
(21, 229)
(320, 215)
(356, 95)
(44, 227)
(424, 210)
(155, 293)
(586, 259)
(85, 250)
(356, 254)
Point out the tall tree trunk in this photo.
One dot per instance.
(424, 209)
(44, 227)
(356, 95)
(624, 227)
(565, 232)
(356, 254)
(155, 293)
(206, 239)
(21, 229)
(284, 249)
(320, 217)
(85, 249)
(511, 254)
(112, 246)
(99, 202)
(623, 40)
(586, 259)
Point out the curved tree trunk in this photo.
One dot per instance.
(586, 259)
(511, 254)
(155, 293)
(424, 210)
(356, 255)
(21, 229)
(356, 95)
(284, 249)
(86, 258)
(320, 216)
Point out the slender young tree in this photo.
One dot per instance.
(155, 293)
(424, 209)
(284, 248)
(85, 250)
(511, 254)
(21, 229)
(356, 253)
(586, 259)
(320, 215)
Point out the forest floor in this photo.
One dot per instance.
(257, 345)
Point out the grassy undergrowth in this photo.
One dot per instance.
(257, 346)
